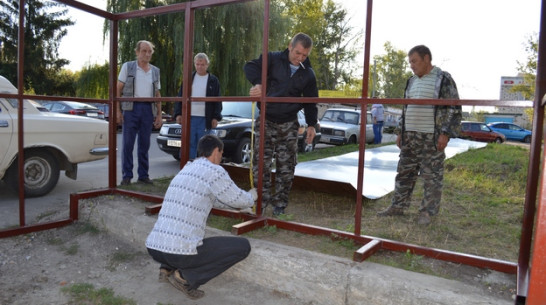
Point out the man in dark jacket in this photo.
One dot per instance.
(204, 115)
(289, 74)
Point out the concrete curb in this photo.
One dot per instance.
(313, 277)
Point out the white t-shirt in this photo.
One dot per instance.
(199, 89)
(143, 81)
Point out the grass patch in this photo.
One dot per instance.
(480, 213)
(87, 294)
(71, 250)
(118, 258)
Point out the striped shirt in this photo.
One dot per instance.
(180, 226)
(420, 118)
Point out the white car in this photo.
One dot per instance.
(52, 142)
(340, 126)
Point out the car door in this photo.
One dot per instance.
(6, 135)
(504, 129)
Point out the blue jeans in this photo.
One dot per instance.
(197, 130)
(216, 255)
(137, 124)
(377, 132)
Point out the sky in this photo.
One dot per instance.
(477, 41)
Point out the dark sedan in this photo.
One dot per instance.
(235, 131)
(74, 108)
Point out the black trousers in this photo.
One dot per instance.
(216, 255)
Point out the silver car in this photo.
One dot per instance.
(340, 126)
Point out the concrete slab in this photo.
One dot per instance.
(278, 274)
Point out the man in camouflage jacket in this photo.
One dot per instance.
(423, 134)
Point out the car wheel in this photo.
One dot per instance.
(498, 140)
(41, 172)
(527, 139)
(352, 140)
(242, 153)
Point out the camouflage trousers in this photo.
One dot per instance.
(281, 144)
(419, 157)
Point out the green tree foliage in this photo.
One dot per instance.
(391, 72)
(45, 26)
(229, 34)
(529, 70)
(92, 81)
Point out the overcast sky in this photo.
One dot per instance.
(477, 41)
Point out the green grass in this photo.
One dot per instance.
(480, 214)
(87, 294)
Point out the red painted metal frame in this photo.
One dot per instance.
(531, 283)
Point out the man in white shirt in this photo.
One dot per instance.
(138, 78)
(204, 115)
(177, 241)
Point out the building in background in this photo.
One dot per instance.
(514, 115)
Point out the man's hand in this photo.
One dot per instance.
(442, 142)
(311, 133)
(214, 123)
(256, 91)
(119, 117)
(158, 121)
(254, 193)
(399, 140)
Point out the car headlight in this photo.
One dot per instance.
(220, 133)
(164, 130)
(340, 133)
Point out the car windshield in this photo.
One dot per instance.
(341, 116)
(237, 109)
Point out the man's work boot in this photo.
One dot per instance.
(391, 211)
(424, 218)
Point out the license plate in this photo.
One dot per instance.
(93, 114)
(175, 143)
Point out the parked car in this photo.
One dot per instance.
(104, 108)
(511, 131)
(342, 126)
(478, 131)
(74, 108)
(52, 142)
(234, 130)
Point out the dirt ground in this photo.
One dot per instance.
(35, 267)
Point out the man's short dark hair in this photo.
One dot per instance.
(207, 144)
(303, 39)
(422, 50)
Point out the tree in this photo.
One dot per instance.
(44, 28)
(529, 70)
(392, 73)
(335, 44)
(92, 81)
(229, 34)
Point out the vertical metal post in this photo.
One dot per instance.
(113, 104)
(187, 81)
(536, 293)
(265, 49)
(20, 110)
(363, 116)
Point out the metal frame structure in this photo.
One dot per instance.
(530, 281)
